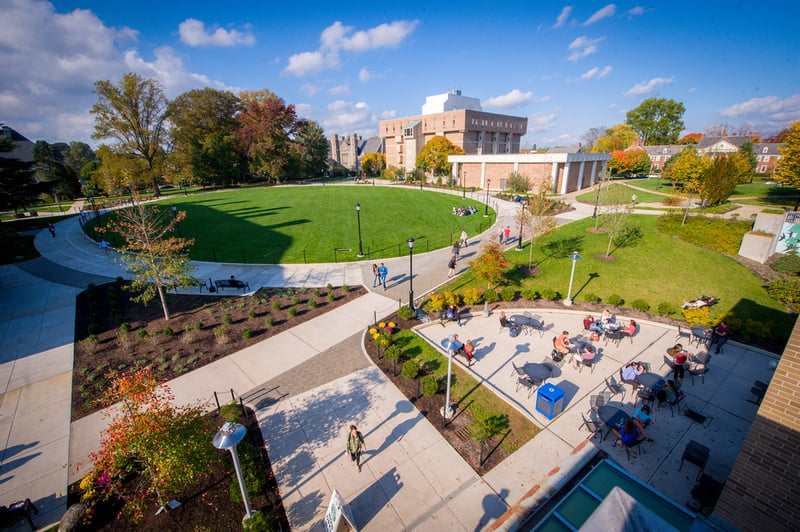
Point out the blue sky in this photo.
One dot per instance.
(566, 66)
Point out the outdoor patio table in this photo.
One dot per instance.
(537, 371)
(701, 357)
(612, 417)
(651, 381)
(701, 335)
(523, 321)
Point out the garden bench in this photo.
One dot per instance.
(231, 283)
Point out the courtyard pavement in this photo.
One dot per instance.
(411, 477)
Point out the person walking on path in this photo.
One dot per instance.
(383, 271)
(500, 236)
(464, 238)
(52, 230)
(355, 444)
(377, 279)
(634, 198)
(507, 233)
(456, 249)
(104, 245)
(452, 265)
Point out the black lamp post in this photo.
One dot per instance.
(174, 210)
(358, 216)
(486, 211)
(410, 273)
(522, 202)
(597, 197)
(96, 214)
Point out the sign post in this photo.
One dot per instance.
(338, 517)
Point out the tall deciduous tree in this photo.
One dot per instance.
(373, 163)
(267, 127)
(687, 168)
(538, 219)
(54, 177)
(491, 264)
(433, 156)
(134, 115)
(748, 155)
(118, 171)
(618, 137)
(203, 133)
(721, 176)
(788, 171)
(311, 148)
(591, 136)
(156, 258)
(79, 155)
(657, 120)
(615, 213)
(630, 162)
(519, 183)
(690, 138)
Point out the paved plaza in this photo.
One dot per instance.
(310, 383)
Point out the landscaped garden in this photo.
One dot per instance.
(316, 224)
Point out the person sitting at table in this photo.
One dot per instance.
(642, 417)
(609, 322)
(632, 370)
(513, 328)
(452, 314)
(628, 435)
(671, 393)
(583, 353)
(719, 336)
(563, 344)
(679, 357)
(591, 324)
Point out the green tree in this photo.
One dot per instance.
(618, 137)
(629, 162)
(788, 171)
(267, 127)
(312, 149)
(487, 428)
(491, 264)
(134, 115)
(615, 213)
(79, 155)
(519, 183)
(17, 183)
(722, 175)
(118, 171)
(203, 134)
(157, 260)
(539, 219)
(54, 177)
(686, 167)
(433, 156)
(657, 120)
(168, 445)
(748, 155)
(373, 163)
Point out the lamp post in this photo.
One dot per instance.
(522, 202)
(446, 410)
(486, 211)
(410, 242)
(597, 197)
(358, 216)
(96, 214)
(226, 439)
(574, 258)
(174, 210)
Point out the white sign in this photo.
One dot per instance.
(338, 518)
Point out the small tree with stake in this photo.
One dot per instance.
(490, 265)
(486, 429)
(411, 371)
(392, 355)
(616, 213)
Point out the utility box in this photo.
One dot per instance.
(550, 400)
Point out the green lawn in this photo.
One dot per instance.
(641, 197)
(306, 224)
(478, 400)
(659, 268)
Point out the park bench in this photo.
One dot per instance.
(231, 283)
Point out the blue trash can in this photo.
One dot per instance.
(550, 400)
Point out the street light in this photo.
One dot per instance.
(447, 410)
(410, 242)
(463, 188)
(358, 215)
(226, 439)
(174, 210)
(522, 202)
(597, 197)
(96, 214)
(486, 211)
(574, 258)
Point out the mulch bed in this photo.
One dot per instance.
(188, 347)
(457, 430)
(206, 506)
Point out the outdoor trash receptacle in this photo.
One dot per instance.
(550, 400)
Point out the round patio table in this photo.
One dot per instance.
(612, 417)
(701, 334)
(537, 371)
(651, 381)
(701, 357)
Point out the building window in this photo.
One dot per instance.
(765, 150)
(665, 150)
(762, 170)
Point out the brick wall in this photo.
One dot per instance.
(763, 490)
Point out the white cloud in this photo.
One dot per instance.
(304, 110)
(309, 89)
(340, 90)
(635, 11)
(647, 87)
(346, 117)
(338, 37)
(600, 14)
(541, 122)
(193, 32)
(583, 46)
(170, 72)
(389, 113)
(545, 77)
(542, 99)
(512, 99)
(563, 16)
(691, 89)
(612, 106)
(365, 75)
(769, 109)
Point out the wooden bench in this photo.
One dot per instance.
(231, 283)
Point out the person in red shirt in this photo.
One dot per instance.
(679, 357)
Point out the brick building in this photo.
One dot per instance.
(763, 490)
(458, 118)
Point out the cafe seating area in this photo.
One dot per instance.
(574, 407)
